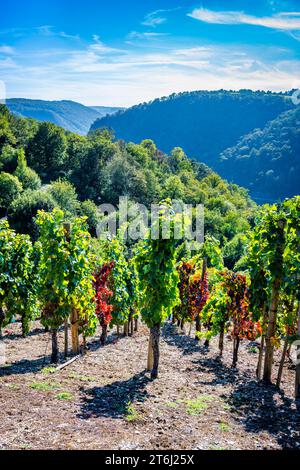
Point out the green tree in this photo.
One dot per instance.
(23, 210)
(89, 210)
(10, 188)
(28, 177)
(46, 152)
(8, 159)
(65, 197)
(158, 278)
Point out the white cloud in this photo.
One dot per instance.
(45, 30)
(194, 52)
(155, 63)
(153, 21)
(7, 64)
(100, 48)
(282, 21)
(8, 50)
(96, 73)
(62, 34)
(145, 35)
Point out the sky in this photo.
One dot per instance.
(120, 53)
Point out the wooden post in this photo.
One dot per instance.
(2, 318)
(2, 352)
(126, 328)
(136, 324)
(103, 336)
(221, 339)
(150, 353)
(198, 319)
(262, 344)
(236, 343)
(54, 356)
(297, 380)
(281, 365)
(260, 358)
(84, 345)
(74, 331)
(131, 327)
(271, 331)
(74, 313)
(66, 329)
(155, 337)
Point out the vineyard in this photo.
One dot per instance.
(150, 339)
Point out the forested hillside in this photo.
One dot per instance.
(70, 115)
(202, 123)
(267, 161)
(42, 167)
(205, 124)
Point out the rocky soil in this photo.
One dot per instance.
(106, 400)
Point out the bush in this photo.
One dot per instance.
(89, 210)
(64, 194)
(23, 210)
(28, 177)
(8, 159)
(10, 188)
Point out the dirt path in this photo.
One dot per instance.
(106, 400)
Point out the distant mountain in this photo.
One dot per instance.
(104, 110)
(267, 161)
(203, 123)
(72, 116)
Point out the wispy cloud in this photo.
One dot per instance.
(45, 30)
(145, 35)
(100, 48)
(7, 50)
(282, 21)
(144, 64)
(153, 20)
(157, 17)
(62, 34)
(93, 74)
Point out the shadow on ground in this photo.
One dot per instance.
(258, 407)
(187, 344)
(25, 366)
(266, 408)
(15, 336)
(112, 400)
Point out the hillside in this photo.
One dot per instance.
(99, 168)
(104, 110)
(70, 115)
(267, 160)
(202, 123)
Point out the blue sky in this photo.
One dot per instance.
(126, 52)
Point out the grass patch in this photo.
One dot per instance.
(48, 370)
(44, 386)
(25, 446)
(196, 405)
(215, 447)
(132, 414)
(171, 404)
(64, 396)
(224, 427)
(13, 386)
(82, 378)
(253, 350)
